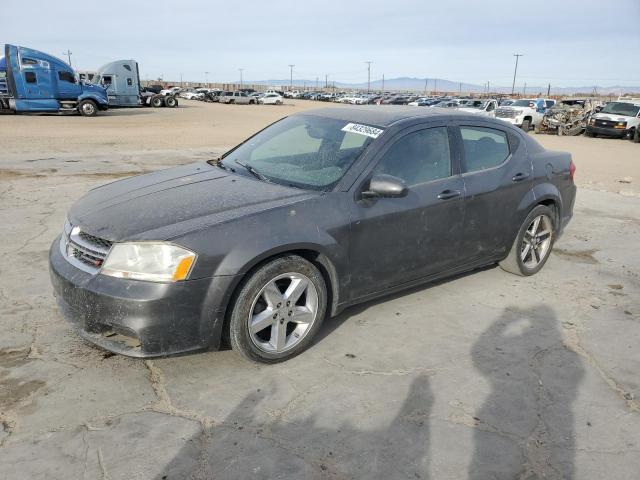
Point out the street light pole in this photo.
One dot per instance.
(515, 70)
(291, 77)
(241, 69)
(368, 76)
(206, 78)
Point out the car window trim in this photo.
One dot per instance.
(463, 153)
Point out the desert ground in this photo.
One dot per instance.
(486, 375)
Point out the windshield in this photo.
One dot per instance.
(621, 108)
(303, 151)
(522, 103)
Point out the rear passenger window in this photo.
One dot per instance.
(483, 148)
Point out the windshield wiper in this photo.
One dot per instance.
(252, 170)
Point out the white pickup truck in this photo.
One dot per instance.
(616, 119)
(525, 113)
(486, 108)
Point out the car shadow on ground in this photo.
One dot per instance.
(523, 428)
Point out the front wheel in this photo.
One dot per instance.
(88, 108)
(533, 244)
(278, 310)
(636, 136)
(526, 125)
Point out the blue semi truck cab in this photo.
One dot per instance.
(33, 81)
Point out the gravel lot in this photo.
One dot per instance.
(487, 375)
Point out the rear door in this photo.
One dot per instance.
(497, 175)
(397, 240)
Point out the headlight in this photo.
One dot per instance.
(155, 262)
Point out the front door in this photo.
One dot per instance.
(397, 240)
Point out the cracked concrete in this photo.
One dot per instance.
(485, 376)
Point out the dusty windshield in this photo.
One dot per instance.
(303, 151)
(522, 103)
(621, 108)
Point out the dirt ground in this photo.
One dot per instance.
(483, 376)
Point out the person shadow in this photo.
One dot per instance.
(524, 429)
(246, 446)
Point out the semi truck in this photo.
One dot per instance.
(33, 81)
(121, 79)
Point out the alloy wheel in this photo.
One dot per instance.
(283, 312)
(536, 241)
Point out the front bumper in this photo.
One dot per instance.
(137, 318)
(609, 132)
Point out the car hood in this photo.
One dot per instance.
(170, 203)
(612, 117)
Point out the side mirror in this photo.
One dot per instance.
(386, 186)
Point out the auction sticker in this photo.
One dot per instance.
(362, 130)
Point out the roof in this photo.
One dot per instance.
(381, 115)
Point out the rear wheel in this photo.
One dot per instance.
(278, 310)
(171, 102)
(533, 244)
(88, 108)
(526, 125)
(157, 101)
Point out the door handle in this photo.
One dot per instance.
(518, 177)
(447, 194)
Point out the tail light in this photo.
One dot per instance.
(572, 170)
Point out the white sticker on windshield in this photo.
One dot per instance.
(362, 130)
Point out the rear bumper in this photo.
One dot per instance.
(136, 318)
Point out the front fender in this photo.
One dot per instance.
(99, 99)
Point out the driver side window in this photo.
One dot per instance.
(418, 157)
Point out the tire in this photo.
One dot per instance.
(589, 134)
(157, 101)
(522, 263)
(636, 137)
(536, 129)
(526, 125)
(88, 108)
(251, 102)
(171, 102)
(232, 101)
(251, 302)
(631, 134)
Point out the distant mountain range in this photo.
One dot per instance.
(442, 85)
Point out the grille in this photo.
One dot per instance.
(505, 113)
(85, 251)
(605, 123)
(99, 242)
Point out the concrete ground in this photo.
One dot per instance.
(483, 376)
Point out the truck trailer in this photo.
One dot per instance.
(33, 81)
(121, 79)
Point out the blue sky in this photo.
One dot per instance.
(565, 42)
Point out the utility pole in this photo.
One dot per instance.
(291, 77)
(368, 76)
(241, 69)
(524, 90)
(488, 87)
(435, 85)
(206, 78)
(316, 83)
(68, 54)
(181, 85)
(459, 89)
(326, 81)
(426, 82)
(383, 83)
(515, 71)
(549, 90)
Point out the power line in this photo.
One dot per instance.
(368, 76)
(68, 54)
(291, 77)
(515, 70)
